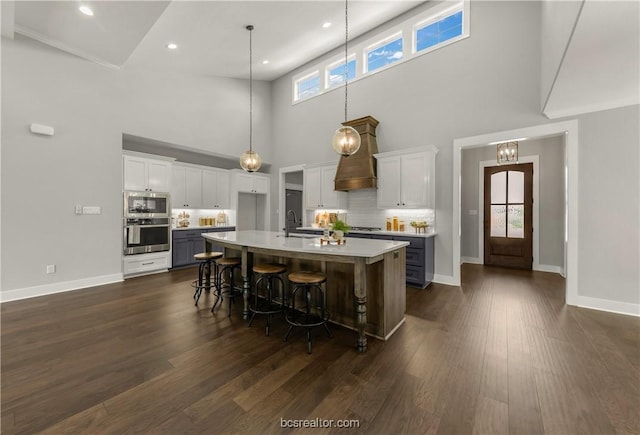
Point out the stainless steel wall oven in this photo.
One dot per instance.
(147, 222)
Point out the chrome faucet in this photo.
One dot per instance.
(286, 227)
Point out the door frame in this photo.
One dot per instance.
(570, 131)
(535, 214)
(282, 186)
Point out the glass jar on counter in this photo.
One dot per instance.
(389, 227)
(401, 226)
(395, 223)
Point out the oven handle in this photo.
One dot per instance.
(149, 226)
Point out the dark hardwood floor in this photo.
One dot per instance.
(500, 354)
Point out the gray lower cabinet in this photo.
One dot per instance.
(420, 256)
(187, 243)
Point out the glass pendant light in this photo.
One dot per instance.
(250, 161)
(346, 140)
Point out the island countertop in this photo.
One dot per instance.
(367, 248)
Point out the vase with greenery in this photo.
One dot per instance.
(339, 228)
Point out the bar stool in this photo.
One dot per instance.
(228, 265)
(207, 261)
(309, 283)
(264, 303)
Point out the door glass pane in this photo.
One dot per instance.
(498, 220)
(515, 227)
(516, 187)
(498, 187)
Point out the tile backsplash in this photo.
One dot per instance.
(362, 211)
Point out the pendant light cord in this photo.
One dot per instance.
(250, 29)
(346, 55)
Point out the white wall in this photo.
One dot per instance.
(609, 208)
(90, 106)
(487, 82)
(550, 202)
(558, 21)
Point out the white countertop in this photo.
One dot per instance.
(411, 233)
(275, 240)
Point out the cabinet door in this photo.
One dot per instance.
(159, 175)
(413, 176)
(260, 184)
(181, 252)
(389, 182)
(178, 187)
(312, 188)
(223, 187)
(244, 183)
(209, 189)
(330, 198)
(193, 183)
(135, 176)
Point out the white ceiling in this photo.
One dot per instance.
(600, 69)
(211, 35)
(601, 66)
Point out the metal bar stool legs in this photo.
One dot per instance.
(266, 303)
(310, 284)
(228, 265)
(207, 262)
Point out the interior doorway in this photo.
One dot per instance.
(508, 216)
(293, 205)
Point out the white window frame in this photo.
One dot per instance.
(379, 44)
(435, 18)
(407, 30)
(336, 63)
(302, 78)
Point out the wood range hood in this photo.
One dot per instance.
(358, 171)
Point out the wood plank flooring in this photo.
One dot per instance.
(500, 354)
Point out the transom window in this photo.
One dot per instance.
(431, 27)
(308, 86)
(384, 54)
(433, 34)
(335, 72)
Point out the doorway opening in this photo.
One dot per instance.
(290, 197)
(569, 129)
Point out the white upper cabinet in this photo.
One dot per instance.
(145, 174)
(186, 187)
(319, 188)
(407, 179)
(215, 189)
(252, 183)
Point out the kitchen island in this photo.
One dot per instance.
(365, 278)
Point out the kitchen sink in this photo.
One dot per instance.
(300, 235)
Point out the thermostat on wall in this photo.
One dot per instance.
(41, 129)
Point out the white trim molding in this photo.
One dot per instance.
(58, 287)
(608, 305)
(570, 130)
(445, 279)
(471, 260)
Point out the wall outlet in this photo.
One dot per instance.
(51, 268)
(473, 212)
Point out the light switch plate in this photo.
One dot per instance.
(91, 209)
(78, 209)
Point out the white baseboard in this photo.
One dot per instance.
(609, 305)
(58, 287)
(471, 260)
(549, 268)
(444, 279)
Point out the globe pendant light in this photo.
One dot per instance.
(346, 140)
(250, 161)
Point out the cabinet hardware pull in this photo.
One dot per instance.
(146, 264)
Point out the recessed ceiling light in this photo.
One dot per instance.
(86, 10)
(172, 46)
(326, 25)
(264, 62)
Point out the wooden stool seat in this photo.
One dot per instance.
(307, 277)
(228, 261)
(269, 268)
(208, 256)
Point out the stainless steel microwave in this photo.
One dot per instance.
(146, 205)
